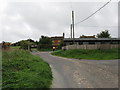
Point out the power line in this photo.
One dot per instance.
(93, 13)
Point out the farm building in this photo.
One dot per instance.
(5, 45)
(91, 43)
(57, 40)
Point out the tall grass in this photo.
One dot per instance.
(23, 70)
(89, 54)
(0, 68)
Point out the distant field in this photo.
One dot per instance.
(23, 70)
(89, 54)
(15, 47)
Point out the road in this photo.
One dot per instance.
(73, 73)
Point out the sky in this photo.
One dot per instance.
(21, 20)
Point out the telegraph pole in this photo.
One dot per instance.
(29, 44)
(73, 26)
(71, 30)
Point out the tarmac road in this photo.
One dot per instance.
(73, 73)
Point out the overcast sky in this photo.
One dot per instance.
(23, 20)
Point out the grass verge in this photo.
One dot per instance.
(23, 70)
(89, 54)
(0, 69)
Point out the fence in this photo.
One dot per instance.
(95, 46)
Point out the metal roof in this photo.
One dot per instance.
(67, 39)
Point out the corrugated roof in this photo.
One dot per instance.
(92, 39)
(57, 37)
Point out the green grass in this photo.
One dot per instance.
(23, 70)
(15, 47)
(0, 69)
(88, 54)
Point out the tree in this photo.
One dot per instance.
(19, 42)
(61, 45)
(83, 36)
(36, 42)
(24, 44)
(16, 44)
(44, 42)
(30, 40)
(103, 34)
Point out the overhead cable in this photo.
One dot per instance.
(93, 13)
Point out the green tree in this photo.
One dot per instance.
(24, 44)
(36, 42)
(19, 42)
(61, 45)
(44, 42)
(83, 36)
(104, 34)
(30, 40)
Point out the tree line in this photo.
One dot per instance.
(45, 42)
(102, 34)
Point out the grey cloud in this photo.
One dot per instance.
(52, 19)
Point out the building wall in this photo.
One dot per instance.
(56, 42)
(94, 46)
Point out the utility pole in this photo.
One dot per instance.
(73, 26)
(29, 44)
(71, 30)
